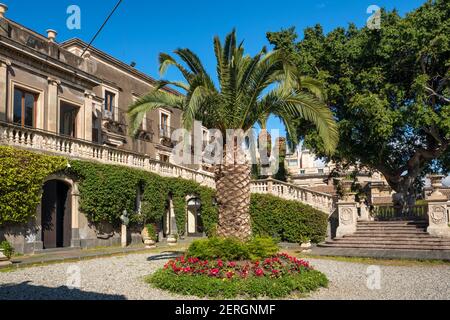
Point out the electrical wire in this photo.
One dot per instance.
(101, 28)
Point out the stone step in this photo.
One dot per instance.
(392, 236)
(393, 227)
(371, 233)
(392, 223)
(410, 241)
(391, 247)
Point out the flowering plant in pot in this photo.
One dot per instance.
(6, 251)
(149, 235)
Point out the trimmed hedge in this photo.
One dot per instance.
(288, 221)
(231, 249)
(22, 175)
(107, 190)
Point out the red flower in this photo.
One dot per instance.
(230, 274)
(220, 263)
(259, 272)
(232, 264)
(214, 272)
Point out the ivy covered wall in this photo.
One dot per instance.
(107, 190)
(22, 175)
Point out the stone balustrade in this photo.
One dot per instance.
(37, 140)
(42, 141)
(320, 201)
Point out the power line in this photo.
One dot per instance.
(101, 28)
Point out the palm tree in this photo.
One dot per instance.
(248, 88)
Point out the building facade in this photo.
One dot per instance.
(55, 98)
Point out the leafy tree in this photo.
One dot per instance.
(248, 87)
(388, 89)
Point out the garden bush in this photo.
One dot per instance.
(274, 277)
(7, 248)
(22, 175)
(232, 249)
(289, 221)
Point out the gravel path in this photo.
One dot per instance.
(122, 278)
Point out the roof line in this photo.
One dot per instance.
(117, 62)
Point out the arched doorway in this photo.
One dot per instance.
(56, 215)
(194, 220)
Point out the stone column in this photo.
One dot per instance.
(437, 210)
(52, 106)
(4, 89)
(348, 217)
(87, 116)
(76, 241)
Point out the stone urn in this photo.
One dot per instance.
(436, 182)
(172, 240)
(4, 261)
(149, 240)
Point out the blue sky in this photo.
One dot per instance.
(140, 30)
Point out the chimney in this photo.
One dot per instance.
(3, 9)
(51, 35)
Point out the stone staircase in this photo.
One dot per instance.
(391, 235)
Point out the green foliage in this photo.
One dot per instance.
(288, 221)
(107, 190)
(389, 89)
(152, 232)
(230, 249)
(254, 287)
(7, 249)
(22, 175)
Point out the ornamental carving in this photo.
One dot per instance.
(438, 216)
(347, 216)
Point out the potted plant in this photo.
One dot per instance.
(149, 236)
(305, 243)
(172, 239)
(6, 252)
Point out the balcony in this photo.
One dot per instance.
(165, 136)
(114, 127)
(48, 142)
(145, 132)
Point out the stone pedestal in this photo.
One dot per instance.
(4, 262)
(348, 217)
(437, 210)
(438, 216)
(365, 214)
(124, 236)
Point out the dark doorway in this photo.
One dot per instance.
(68, 120)
(56, 215)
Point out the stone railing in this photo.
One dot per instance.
(43, 141)
(318, 200)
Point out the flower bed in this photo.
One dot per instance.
(274, 277)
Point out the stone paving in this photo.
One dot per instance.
(122, 277)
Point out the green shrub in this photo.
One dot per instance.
(289, 221)
(230, 249)
(202, 286)
(22, 175)
(151, 232)
(8, 250)
(259, 248)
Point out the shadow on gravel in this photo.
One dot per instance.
(26, 291)
(166, 256)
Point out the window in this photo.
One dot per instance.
(68, 120)
(302, 172)
(95, 128)
(321, 171)
(24, 108)
(165, 125)
(110, 99)
(164, 158)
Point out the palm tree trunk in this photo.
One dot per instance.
(233, 197)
